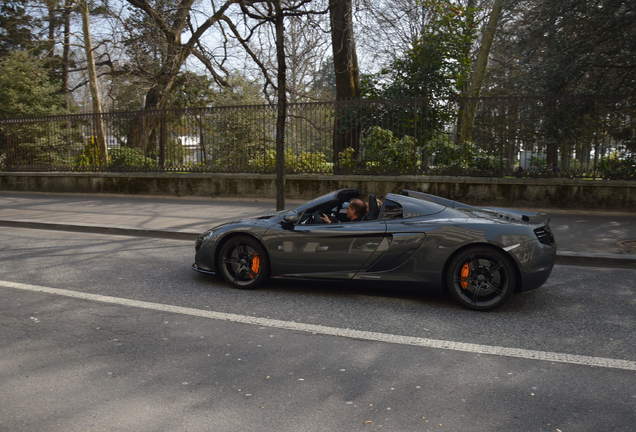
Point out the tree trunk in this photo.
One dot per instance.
(479, 72)
(202, 143)
(346, 132)
(98, 123)
(467, 51)
(281, 106)
(566, 153)
(144, 130)
(51, 6)
(66, 52)
(551, 133)
(513, 139)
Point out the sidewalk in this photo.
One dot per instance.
(576, 231)
(155, 213)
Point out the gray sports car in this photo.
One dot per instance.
(479, 255)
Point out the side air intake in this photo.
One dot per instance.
(544, 235)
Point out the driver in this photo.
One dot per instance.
(355, 212)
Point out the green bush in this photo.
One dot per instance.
(128, 158)
(618, 168)
(443, 153)
(444, 156)
(485, 164)
(304, 162)
(347, 160)
(40, 153)
(382, 151)
(89, 157)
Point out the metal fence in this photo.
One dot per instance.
(521, 136)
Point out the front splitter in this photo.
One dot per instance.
(200, 270)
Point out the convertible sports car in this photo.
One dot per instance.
(480, 255)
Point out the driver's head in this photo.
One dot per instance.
(357, 209)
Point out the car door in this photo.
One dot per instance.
(336, 250)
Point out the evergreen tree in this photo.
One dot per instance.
(16, 28)
(26, 88)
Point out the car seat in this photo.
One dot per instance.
(374, 210)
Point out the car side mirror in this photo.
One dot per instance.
(290, 219)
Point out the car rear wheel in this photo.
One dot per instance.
(481, 278)
(243, 262)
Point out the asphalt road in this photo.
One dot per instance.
(68, 364)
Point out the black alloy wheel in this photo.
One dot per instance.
(243, 262)
(481, 278)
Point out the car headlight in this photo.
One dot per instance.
(203, 237)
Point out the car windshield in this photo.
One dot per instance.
(340, 196)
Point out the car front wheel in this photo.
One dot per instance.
(243, 262)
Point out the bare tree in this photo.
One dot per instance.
(171, 23)
(281, 114)
(171, 27)
(306, 46)
(273, 14)
(389, 28)
(466, 115)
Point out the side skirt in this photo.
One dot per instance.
(201, 270)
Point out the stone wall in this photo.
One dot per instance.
(562, 193)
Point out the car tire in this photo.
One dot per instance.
(481, 278)
(243, 262)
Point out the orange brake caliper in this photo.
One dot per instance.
(256, 265)
(464, 273)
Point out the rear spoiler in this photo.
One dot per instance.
(533, 218)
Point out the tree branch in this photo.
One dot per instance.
(208, 64)
(152, 13)
(248, 50)
(207, 24)
(83, 83)
(183, 13)
(102, 63)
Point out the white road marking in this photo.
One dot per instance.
(336, 331)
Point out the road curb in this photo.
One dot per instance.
(97, 229)
(596, 259)
(590, 259)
